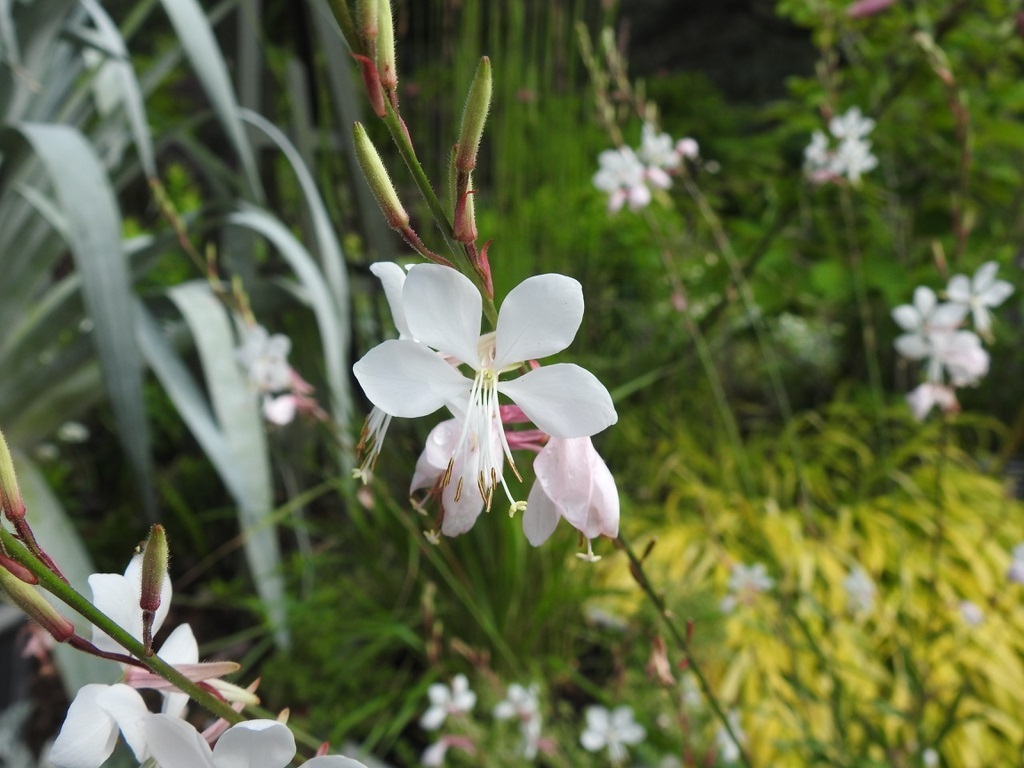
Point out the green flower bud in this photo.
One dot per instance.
(378, 179)
(10, 494)
(367, 14)
(155, 558)
(386, 48)
(32, 602)
(474, 116)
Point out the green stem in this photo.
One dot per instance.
(66, 594)
(640, 576)
(459, 258)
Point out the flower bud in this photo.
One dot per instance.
(32, 602)
(474, 116)
(386, 48)
(367, 15)
(378, 179)
(154, 571)
(155, 558)
(10, 495)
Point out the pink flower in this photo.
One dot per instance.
(572, 482)
(863, 8)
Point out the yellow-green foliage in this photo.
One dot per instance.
(816, 682)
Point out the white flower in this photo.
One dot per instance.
(972, 615)
(851, 125)
(979, 293)
(853, 159)
(745, 582)
(523, 705)
(572, 482)
(729, 749)
(251, 744)
(818, 157)
(614, 730)
(927, 395)
(928, 324)
(621, 176)
(656, 149)
(539, 317)
(89, 733)
(265, 359)
(692, 697)
(930, 758)
(860, 591)
(446, 701)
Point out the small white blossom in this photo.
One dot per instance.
(851, 124)
(613, 730)
(523, 705)
(979, 293)
(621, 175)
(745, 582)
(656, 149)
(446, 701)
(265, 359)
(930, 758)
(851, 158)
(860, 591)
(972, 615)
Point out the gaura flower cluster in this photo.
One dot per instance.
(441, 360)
(99, 712)
(628, 176)
(283, 392)
(849, 158)
(613, 730)
(953, 357)
(745, 583)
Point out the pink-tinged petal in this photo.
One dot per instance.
(255, 744)
(404, 378)
(392, 280)
(579, 483)
(539, 317)
(959, 289)
(126, 706)
(443, 309)
(461, 499)
(863, 8)
(88, 735)
(564, 400)
(639, 196)
(659, 178)
(175, 743)
(541, 516)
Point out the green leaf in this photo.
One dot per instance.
(93, 234)
(333, 327)
(197, 38)
(237, 411)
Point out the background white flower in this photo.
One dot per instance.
(265, 359)
(860, 590)
(745, 582)
(444, 701)
(614, 730)
(979, 293)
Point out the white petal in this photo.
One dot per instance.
(404, 378)
(332, 761)
(433, 718)
(996, 293)
(255, 744)
(443, 308)
(176, 744)
(564, 400)
(947, 316)
(460, 515)
(924, 300)
(907, 317)
(392, 279)
(539, 520)
(578, 482)
(437, 452)
(280, 410)
(959, 289)
(179, 648)
(119, 600)
(984, 276)
(126, 706)
(912, 346)
(88, 735)
(539, 317)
